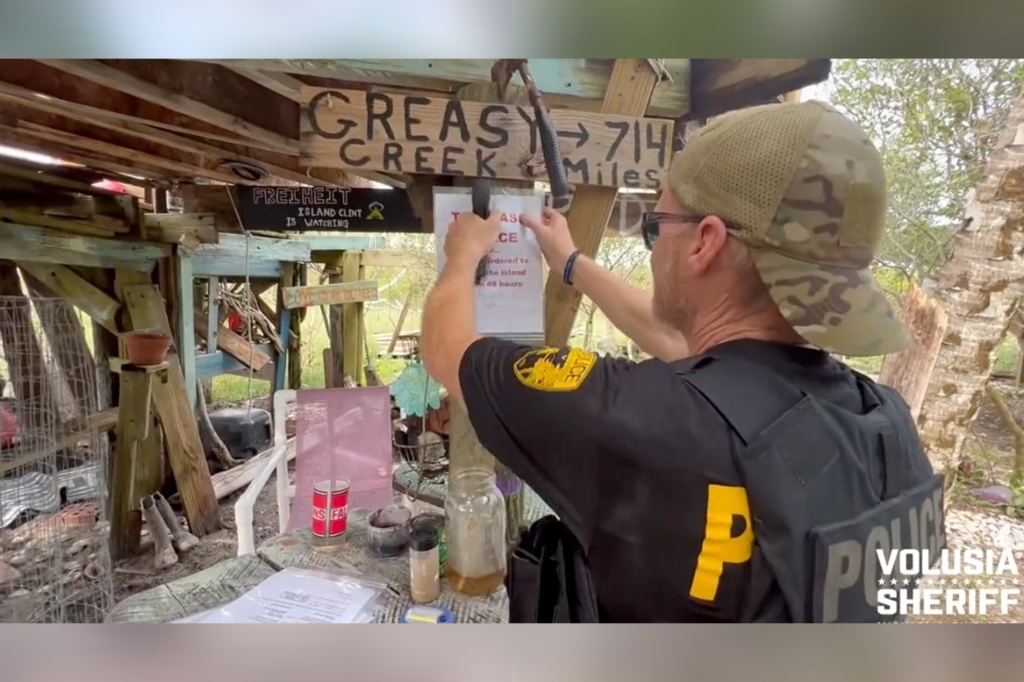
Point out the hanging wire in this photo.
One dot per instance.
(250, 302)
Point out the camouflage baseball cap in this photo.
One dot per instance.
(803, 186)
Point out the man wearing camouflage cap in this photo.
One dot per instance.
(744, 474)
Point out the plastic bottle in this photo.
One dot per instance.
(424, 566)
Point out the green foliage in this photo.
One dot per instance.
(935, 122)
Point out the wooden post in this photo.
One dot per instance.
(464, 450)
(352, 328)
(294, 347)
(134, 422)
(336, 323)
(629, 93)
(185, 309)
(177, 416)
(284, 329)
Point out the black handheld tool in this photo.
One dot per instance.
(481, 207)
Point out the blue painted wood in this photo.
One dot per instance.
(237, 255)
(219, 362)
(185, 311)
(284, 330)
(584, 78)
(212, 314)
(346, 242)
(29, 243)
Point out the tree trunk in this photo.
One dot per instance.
(981, 288)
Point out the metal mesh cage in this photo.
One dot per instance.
(54, 558)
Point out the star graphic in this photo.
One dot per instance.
(906, 582)
(881, 581)
(894, 581)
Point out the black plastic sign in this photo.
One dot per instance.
(326, 209)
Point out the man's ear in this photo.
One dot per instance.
(712, 236)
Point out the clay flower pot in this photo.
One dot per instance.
(146, 348)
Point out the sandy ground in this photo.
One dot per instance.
(970, 522)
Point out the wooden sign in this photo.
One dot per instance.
(326, 209)
(329, 294)
(395, 133)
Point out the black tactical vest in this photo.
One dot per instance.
(827, 490)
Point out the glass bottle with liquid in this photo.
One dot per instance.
(475, 533)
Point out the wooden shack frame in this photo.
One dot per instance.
(190, 130)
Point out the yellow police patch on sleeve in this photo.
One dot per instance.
(554, 369)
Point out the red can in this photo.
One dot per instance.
(330, 501)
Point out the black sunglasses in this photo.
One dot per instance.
(650, 224)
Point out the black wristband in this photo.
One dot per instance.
(569, 263)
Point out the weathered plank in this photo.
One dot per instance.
(234, 344)
(188, 229)
(586, 79)
(354, 130)
(181, 433)
(330, 294)
(41, 245)
(91, 300)
(629, 91)
(133, 426)
(236, 255)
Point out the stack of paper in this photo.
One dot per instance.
(297, 596)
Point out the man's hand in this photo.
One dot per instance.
(552, 232)
(470, 238)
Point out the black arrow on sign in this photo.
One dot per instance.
(581, 137)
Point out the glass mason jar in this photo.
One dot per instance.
(475, 533)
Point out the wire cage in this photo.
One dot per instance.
(54, 554)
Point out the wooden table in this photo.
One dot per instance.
(231, 578)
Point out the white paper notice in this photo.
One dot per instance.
(510, 300)
(296, 596)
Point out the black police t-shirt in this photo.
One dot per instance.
(637, 464)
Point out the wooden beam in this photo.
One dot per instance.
(91, 300)
(116, 79)
(171, 165)
(586, 79)
(85, 229)
(490, 140)
(219, 362)
(353, 326)
(114, 169)
(275, 81)
(28, 243)
(235, 255)
(720, 85)
(234, 344)
(188, 229)
(629, 92)
(121, 121)
(181, 433)
(358, 291)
